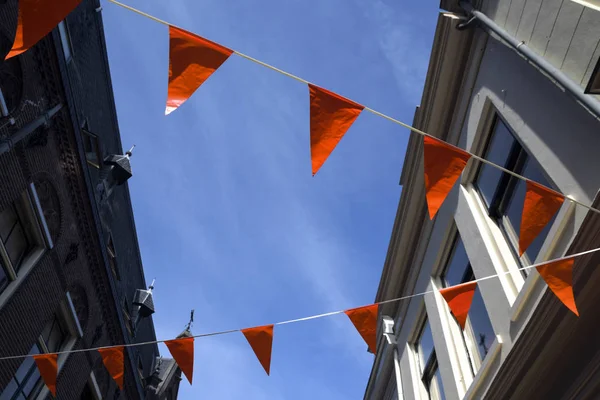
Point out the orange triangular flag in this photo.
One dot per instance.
(114, 361)
(443, 164)
(459, 299)
(36, 19)
(539, 207)
(192, 60)
(48, 366)
(182, 351)
(330, 117)
(261, 341)
(365, 322)
(559, 278)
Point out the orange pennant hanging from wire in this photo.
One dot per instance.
(192, 60)
(47, 364)
(36, 19)
(558, 275)
(443, 164)
(114, 361)
(331, 115)
(539, 207)
(182, 351)
(459, 299)
(365, 322)
(260, 339)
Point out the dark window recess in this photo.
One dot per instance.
(112, 258)
(479, 329)
(91, 145)
(127, 317)
(11, 85)
(593, 86)
(26, 383)
(15, 241)
(503, 194)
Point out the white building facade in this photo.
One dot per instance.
(482, 95)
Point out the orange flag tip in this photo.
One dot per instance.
(36, 19)
(192, 60)
(539, 207)
(364, 320)
(331, 115)
(558, 275)
(442, 164)
(260, 339)
(182, 351)
(114, 361)
(47, 364)
(459, 299)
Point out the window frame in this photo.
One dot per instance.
(95, 143)
(31, 216)
(127, 316)
(468, 338)
(112, 257)
(65, 40)
(67, 319)
(426, 369)
(516, 161)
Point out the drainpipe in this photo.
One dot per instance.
(7, 144)
(588, 102)
(388, 333)
(398, 375)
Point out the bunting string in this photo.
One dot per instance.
(317, 316)
(372, 111)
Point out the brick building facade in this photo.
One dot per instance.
(70, 263)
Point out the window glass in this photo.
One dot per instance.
(497, 152)
(457, 264)
(425, 346)
(514, 210)
(503, 194)
(8, 218)
(16, 245)
(479, 330)
(436, 388)
(3, 276)
(91, 146)
(483, 333)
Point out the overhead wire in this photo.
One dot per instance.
(371, 110)
(312, 317)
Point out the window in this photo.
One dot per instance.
(428, 365)
(91, 146)
(140, 368)
(127, 317)
(27, 383)
(503, 194)
(11, 86)
(65, 39)
(91, 390)
(23, 236)
(478, 335)
(112, 258)
(593, 4)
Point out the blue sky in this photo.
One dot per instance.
(230, 220)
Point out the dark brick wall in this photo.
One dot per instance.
(51, 157)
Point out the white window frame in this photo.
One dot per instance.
(43, 241)
(65, 39)
(593, 4)
(3, 107)
(498, 247)
(67, 312)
